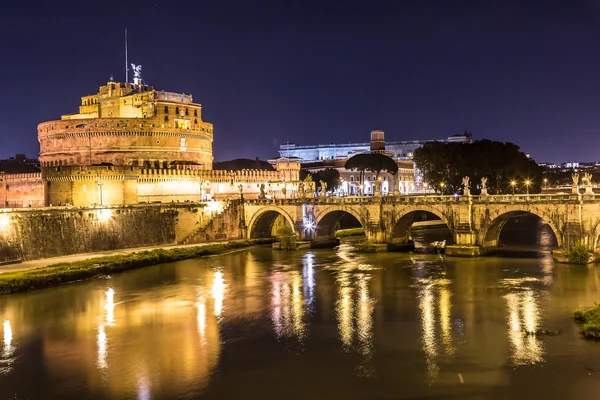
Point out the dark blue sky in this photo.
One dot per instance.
(268, 72)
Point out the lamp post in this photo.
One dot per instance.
(527, 183)
(100, 184)
(513, 184)
(442, 184)
(545, 183)
(425, 186)
(200, 188)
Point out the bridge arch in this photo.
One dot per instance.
(401, 226)
(261, 224)
(328, 219)
(490, 236)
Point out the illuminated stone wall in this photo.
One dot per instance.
(30, 234)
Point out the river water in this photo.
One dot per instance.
(315, 324)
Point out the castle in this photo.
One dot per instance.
(130, 143)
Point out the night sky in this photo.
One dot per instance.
(311, 72)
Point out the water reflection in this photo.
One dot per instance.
(287, 304)
(523, 322)
(437, 337)
(354, 308)
(218, 292)
(8, 350)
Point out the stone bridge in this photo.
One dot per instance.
(475, 222)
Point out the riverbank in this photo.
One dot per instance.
(589, 320)
(65, 272)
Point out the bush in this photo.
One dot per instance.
(589, 321)
(287, 237)
(578, 255)
(366, 247)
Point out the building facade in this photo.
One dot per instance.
(313, 158)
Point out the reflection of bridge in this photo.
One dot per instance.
(475, 222)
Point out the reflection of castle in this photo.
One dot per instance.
(128, 144)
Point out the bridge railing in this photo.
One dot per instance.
(433, 198)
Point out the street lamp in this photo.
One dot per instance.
(425, 186)
(442, 184)
(545, 183)
(100, 184)
(527, 183)
(513, 184)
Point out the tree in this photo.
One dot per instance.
(374, 162)
(330, 176)
(499, 162)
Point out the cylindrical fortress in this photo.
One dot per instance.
(124, 142)
(129, 125)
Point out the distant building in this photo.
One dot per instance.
(317, 157)
(19, 164)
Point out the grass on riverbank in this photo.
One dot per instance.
(342, 233)
(56, 274)
(589, 321)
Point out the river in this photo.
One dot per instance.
(315, 324)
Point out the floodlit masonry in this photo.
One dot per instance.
(130, 143)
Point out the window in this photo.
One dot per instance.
(166, 118)
(195, 113)
(177, 110)
(187, 112)
(166, 109)
(351, 178)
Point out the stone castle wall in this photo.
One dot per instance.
(50, 232)
(125, 142)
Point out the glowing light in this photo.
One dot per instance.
(102, 344)
(218, 292)
(4, 222)
(110, 306)
(287, 302)
(523, 320)
(215, 206)
(104, 215)
(428, 326)
(201, 318)
(8, 333)
(445, 320)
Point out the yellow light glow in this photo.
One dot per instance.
(215, 206)
(445, 320)
(218, 292)
(110, 306)
(427, 306)
(104, 215)
(8, 334)
(102, 345)
(523, 317)
(513, 183)
(201, 319)
(4, 222)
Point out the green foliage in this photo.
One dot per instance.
(578, 255)
(366, 247)
(287, 237)
(497, 161)
(330, 176)
(589, 321)
(342, 233)
(56, 274)
(374, 162)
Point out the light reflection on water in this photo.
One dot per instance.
(162, 332)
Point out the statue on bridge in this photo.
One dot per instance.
(466, 190)
(262, 195)
(587, 183)
(301, 190)
(323, 188)
(575, 178)
(483, 186)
